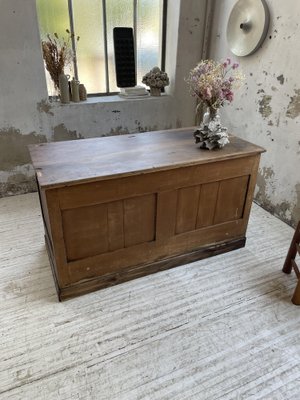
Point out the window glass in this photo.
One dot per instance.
(118, 14)
(53, 18)
(149, 20)
(88, 25)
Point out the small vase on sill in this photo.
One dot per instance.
(75, 90)
(64, 88)
(82, 92)
(211, 134)
(155, 91)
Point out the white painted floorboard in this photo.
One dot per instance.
(221, 328)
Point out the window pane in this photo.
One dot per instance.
(88, 24)
(149, 27)
(119, 14)
(53, 18)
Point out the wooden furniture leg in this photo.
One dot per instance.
(296, 295)
(290, 263)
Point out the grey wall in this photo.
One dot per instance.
(267, 110)
(27, 117)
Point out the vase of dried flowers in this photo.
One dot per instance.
(58, 54)
(213, 84)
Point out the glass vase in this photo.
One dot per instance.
(211, 134)
(211, 114)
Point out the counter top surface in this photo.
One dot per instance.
(86, 160)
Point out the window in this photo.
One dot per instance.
(93, 21)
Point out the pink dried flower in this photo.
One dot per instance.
(207, 93)
(229, 96)
(213, 82)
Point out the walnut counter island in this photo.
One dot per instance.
(120, 207)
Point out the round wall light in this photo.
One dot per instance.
(247, 26)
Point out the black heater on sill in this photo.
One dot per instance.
(124, 57)
(125, 64)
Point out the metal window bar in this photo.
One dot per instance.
(163, 41)
(105, 45)
(164, 35)
(73, 39)
(135, 16)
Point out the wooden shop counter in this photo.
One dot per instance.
(120, 207)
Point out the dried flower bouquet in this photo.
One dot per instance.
(213, 83)
(57, 53)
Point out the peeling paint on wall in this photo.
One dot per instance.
(140, 128)
(263, 175)
(44, 106)
(293, 110)
(18, 184)
(13, 147)
(60, 133)
(280, 78)
(119, 130)
(280, 210)
(264, 106)
(285, 210)
(151, 128)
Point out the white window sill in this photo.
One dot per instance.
(111, 99)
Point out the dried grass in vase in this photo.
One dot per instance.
(57, 53)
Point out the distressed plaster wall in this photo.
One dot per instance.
(26, 116)
(267, 110)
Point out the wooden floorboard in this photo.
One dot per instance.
(220, 328)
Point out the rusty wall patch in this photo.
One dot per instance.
(293, 110)
(13, 147)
